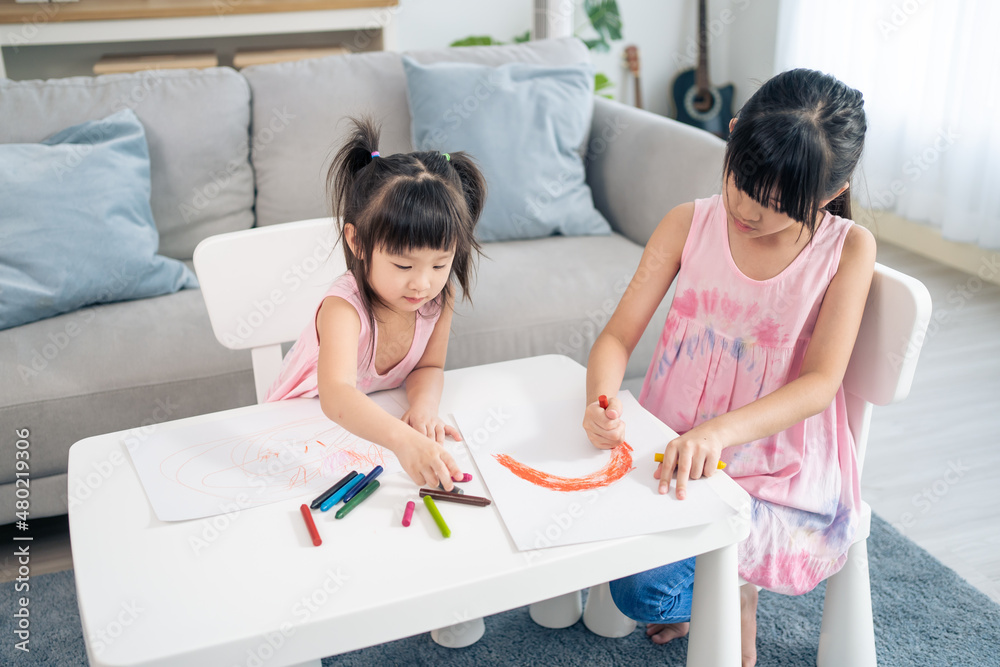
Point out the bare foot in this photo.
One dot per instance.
(748, 624)
(661, 634)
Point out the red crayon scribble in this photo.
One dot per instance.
(617, 467)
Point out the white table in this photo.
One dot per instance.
(151, 593)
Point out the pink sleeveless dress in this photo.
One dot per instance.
(298, 378)
(729, 340)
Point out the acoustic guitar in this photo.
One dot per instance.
(632, 61)
(697, 101)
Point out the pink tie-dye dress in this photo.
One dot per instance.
(729, 340)
(298, 376)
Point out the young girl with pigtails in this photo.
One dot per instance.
(406, 224)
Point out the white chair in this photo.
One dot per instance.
(261, 286)
(880, 372)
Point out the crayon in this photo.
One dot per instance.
(454, 489)
(311, 525)
(455, 497)
(376, 471)
(659, 459)
(315, 505)
(466, 477)
(438, 519)
(335, 498)
(370, 488)
(408, 513)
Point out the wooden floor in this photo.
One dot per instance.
(933, 466)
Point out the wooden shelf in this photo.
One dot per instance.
(113, 10)
(123, 63)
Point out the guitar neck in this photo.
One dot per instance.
(701, 72)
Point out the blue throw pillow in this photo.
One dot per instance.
(525, 125)
(76, 226)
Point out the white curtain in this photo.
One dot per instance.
(930, 74)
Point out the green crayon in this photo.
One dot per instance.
(369, 489)
(438, 519)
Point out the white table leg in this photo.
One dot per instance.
(461, 634)
(558, 612)
(714, 638)
(602, 616)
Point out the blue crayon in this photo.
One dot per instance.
(335, 498)
(318, 502)
(376, 471)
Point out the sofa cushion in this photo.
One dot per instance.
(300, 110)
(525, 125)
(197, 127)
(115, 366)
(550, 295)
(76, 227)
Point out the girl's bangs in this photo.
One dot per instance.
(777, 167)
(415, 215)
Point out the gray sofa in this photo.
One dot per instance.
(230, 150)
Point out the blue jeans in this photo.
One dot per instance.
(660, 595)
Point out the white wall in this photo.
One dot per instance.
(742, 37)
(741, 47)
(433, 24)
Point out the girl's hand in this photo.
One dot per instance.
(430, 425)
(427, 463)
(693, 455)
(604, 427)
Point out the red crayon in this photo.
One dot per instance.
(311, 525)
(466, 477)
(408, 513)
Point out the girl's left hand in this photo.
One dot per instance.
(430, 425)
(693, 455)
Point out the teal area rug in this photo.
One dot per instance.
(925, 614)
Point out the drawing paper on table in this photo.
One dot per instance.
(237, 461)
(552, 487)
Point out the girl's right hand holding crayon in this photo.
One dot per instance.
(604, 426)
(428, 463)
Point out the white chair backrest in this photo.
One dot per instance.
(885, 354)
(262, 285)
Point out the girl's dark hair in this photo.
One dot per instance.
(403, 202)
(796, 142)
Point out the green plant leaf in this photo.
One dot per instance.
(598, 45)
(601, 82)
(526, 37)
(480, 40)
(605, 18)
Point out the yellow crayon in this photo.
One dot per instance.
(659, 459)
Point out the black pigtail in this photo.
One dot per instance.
(474, 191)
(346, 180)
(473, 184)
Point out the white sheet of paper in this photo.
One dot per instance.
(548, 437)
(235, 462)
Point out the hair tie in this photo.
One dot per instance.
(446, 157)
(375, 154)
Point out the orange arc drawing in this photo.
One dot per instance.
(619, 465)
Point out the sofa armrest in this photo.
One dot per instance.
(641, 165)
